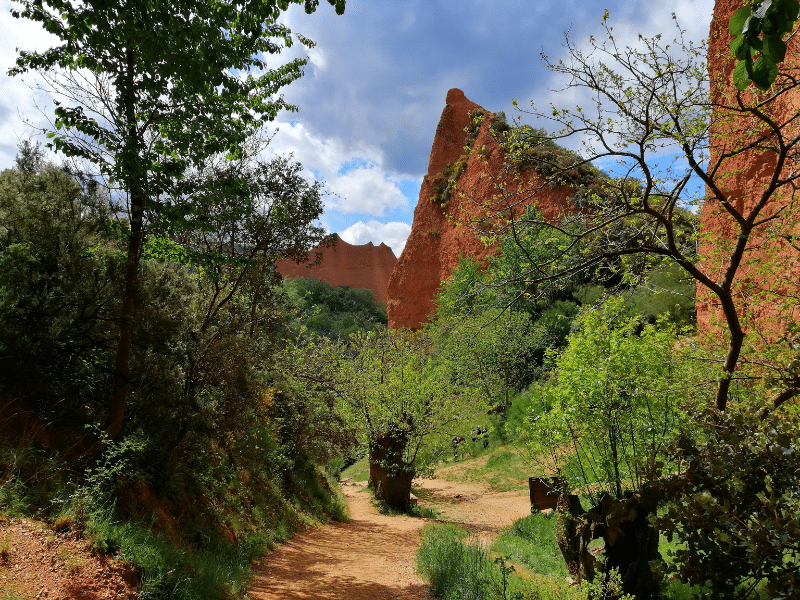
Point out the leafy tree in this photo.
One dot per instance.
(505, 280)
(648, 100)
(613, 407)
(145, 110)
(492, 350)
(614, 402)
(307, 401)
(335, 312)
(405, 407)
(235, 322)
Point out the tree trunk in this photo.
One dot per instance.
(389, 476)
(631, 543)
(574, 531)
(121, 369)
(127, 94)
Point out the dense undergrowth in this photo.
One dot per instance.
(222, 447)
(196, 546)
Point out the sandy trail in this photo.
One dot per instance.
(373, 556)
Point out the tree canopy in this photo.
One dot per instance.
(147, 95)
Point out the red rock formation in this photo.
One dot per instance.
(437, 239)
(345, 265)
(771, 268)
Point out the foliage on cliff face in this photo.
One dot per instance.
(445, 184)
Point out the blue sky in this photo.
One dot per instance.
(376, 83)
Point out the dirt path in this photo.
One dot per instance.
(373, 556)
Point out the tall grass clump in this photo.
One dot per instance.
(531, 541)
(459, 568)
(456, 570)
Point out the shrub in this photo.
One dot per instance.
(737, 527)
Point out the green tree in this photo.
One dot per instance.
(616, 402)
(648, 100)
(405, 406)
(148, 93)
(233, 322)
(492, 350)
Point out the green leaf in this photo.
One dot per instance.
(740, 77)
(791, 8)
(764, 73)
(738, 20)
(738, 48)
(774, 49)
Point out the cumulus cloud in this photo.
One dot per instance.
(354, 174)
(392, 234)
(367, 191)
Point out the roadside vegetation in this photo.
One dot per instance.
(652, 432)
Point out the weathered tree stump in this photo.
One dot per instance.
(545, 491)
(389, 476)
(631, 542)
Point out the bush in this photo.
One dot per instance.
(737, 527)
(335, 312)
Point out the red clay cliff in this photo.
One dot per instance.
(439, 235)
(770, 269)
(345, 265)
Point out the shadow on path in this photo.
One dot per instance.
(370, 558)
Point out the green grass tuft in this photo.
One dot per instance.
(531, 541)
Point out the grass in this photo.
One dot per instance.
(216, 570)
(531, 542)
(456, 570)
(358, 471)
(459, 568)
(503, 468)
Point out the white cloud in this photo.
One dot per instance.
(366, 191)
(318, 59)
(19, 102)
(392, 234)
(354, 175)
